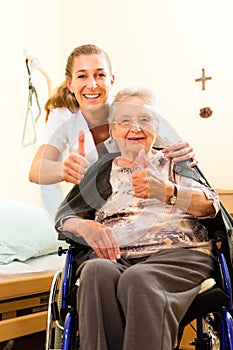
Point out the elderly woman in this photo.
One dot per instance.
(149, 254)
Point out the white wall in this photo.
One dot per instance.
(163, 44)
(35, 26)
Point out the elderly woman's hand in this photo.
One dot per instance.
(148, 182)
(101, 239)
(98, 236)
(180, 151)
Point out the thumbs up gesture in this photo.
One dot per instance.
(139, 177)
(142, 160)
(148, 181)
(75, 166)
(81, 144)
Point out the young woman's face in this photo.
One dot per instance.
(91, 80)
(134, 127)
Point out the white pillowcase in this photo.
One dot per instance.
(25, 231)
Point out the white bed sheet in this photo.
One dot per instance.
(36, 266)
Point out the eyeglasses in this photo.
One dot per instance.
(144, 121)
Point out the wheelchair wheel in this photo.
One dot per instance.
(59, 326)
(216, 332)
(49, 343)
(213, 332)
(61, 336)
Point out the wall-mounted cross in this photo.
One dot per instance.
(203, 79)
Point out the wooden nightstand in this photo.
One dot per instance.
(226, 197)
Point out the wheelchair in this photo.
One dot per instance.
(210, 314)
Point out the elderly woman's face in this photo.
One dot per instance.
(134, 127)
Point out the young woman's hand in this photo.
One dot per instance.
(75, 166)
(179, 152)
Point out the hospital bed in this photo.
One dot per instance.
(24, 295)
(28, 262)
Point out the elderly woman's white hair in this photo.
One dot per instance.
(141, 92)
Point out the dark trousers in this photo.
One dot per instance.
(138, 306)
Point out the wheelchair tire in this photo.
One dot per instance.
(58, 333)
(50, 331)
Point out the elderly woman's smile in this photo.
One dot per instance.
(135, 139)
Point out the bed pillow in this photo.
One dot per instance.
(25, 231)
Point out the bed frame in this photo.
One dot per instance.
(23, 305)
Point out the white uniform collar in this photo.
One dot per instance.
(111, 145)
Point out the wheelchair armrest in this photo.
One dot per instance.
(71, 238)
(209, 301)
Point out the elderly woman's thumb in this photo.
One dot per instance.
(142, 159)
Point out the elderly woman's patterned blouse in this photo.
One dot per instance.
(144, 226)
